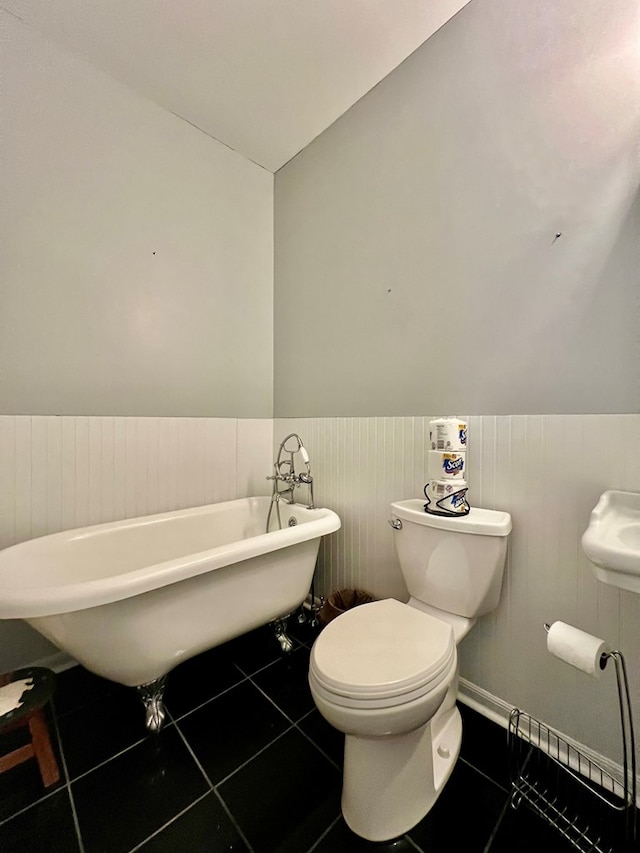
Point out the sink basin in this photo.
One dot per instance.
(612, 540)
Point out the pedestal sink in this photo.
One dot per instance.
(612, 540)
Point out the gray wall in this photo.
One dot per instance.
(137, 252)
(417, 268)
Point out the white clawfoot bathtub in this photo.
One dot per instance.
(132, 599)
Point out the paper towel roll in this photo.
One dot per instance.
(447, 466)
(448, 434)
(446, 497)
(573, 646)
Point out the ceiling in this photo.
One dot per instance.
(264, 77)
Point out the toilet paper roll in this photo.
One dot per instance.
(447, 466)
(573, 646)
(446, 497)
(447, 434)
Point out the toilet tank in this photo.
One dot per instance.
(454, 564)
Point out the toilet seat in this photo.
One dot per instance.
(381, 655)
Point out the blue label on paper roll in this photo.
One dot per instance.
(453, 466)
(447, 466)
(448, 497)
(458, 499)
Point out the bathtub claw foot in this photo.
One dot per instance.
(280, 631)
(152, 695)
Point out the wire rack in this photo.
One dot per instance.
(594, 811)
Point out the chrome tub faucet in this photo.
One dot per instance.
(284, 470)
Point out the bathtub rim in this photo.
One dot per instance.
(51, 600)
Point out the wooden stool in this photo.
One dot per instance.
(30, 713)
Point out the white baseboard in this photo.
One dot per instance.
(498, 711)
(490, 706)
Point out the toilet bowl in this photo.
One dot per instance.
(386, 673)
(380, 673)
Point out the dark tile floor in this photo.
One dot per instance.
(245, 763)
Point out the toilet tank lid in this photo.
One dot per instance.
(487, 522)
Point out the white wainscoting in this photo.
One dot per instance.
(58, 473)
(548, 472)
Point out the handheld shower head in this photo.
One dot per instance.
(285, 471)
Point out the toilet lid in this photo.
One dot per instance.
(382, 650)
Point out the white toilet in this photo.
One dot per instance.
(386, 673)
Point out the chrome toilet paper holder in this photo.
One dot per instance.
(542, 764)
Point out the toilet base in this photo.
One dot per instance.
(391, 783)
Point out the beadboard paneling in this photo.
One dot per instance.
(548, 472)
(58, 473)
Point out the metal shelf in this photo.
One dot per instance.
(590, 808)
